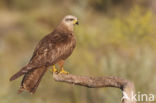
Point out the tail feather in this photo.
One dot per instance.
(32, 79)
(18, 74)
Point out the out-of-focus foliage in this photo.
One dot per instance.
(107, 4)
(114, 38)
(136, 27)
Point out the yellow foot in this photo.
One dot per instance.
(63, 72)
(53, 69)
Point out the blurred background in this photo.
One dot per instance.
(114, 38)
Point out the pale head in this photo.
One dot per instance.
(70, 21)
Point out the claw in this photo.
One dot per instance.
(63, 71)
(53, 69)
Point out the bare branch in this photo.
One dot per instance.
(99, 82)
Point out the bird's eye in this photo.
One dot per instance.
(69, 19)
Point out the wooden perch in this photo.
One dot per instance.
(99, 82)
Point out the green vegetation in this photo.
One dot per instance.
(113, 38)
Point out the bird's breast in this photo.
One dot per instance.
(68, 47)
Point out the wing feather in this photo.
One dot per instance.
(51, 49)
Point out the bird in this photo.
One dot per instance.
(53, 49)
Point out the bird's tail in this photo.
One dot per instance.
(32, 79)
(19, 73)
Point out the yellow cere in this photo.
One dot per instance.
(75, 21)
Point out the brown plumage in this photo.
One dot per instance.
(52, 49)
(32, 79)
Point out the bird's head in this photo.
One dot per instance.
(70, 21)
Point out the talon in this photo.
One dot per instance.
(63, 71)
(53, 69)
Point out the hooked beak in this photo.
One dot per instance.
(76, 22)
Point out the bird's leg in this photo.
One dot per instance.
(60, 64)
(53, 69)
(63, 71)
